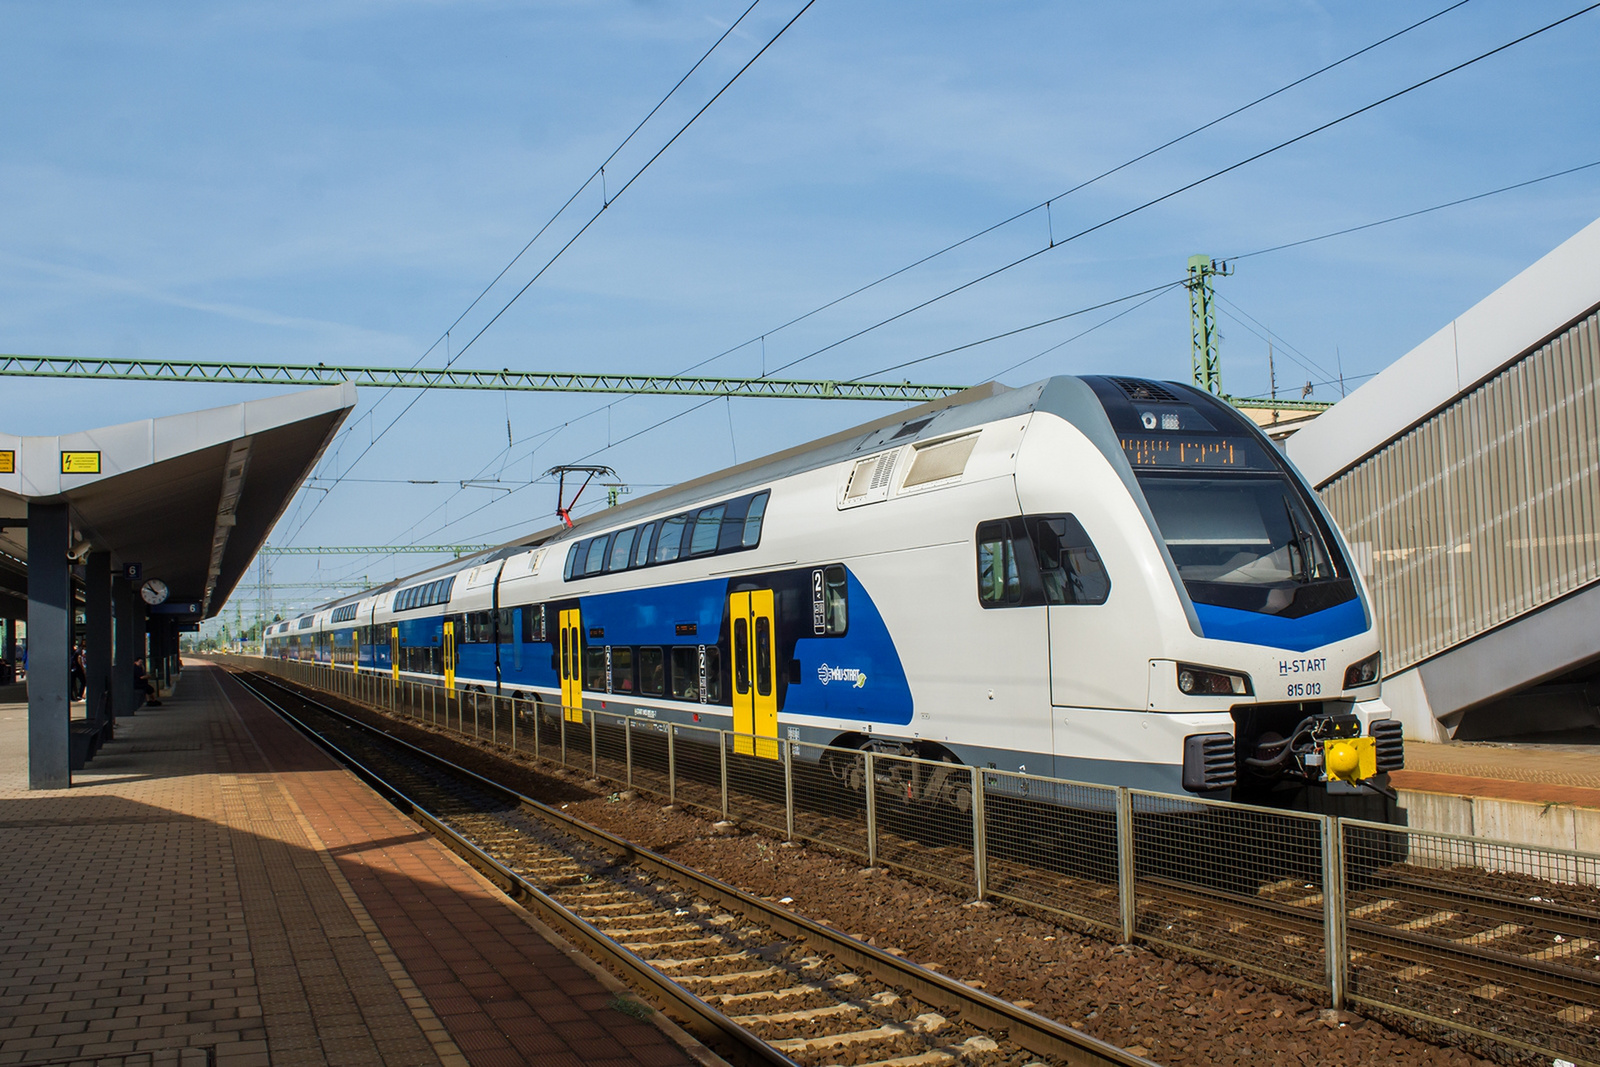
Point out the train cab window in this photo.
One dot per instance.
(622, 676)
(999, 581)
(1070, 568)
(707, 530)
(751, 529)
(652, 672)
(621, 550)
(597, 555)
(835, 600)
(670, 539)
(594, 668)
(641, 548)
(741, 656)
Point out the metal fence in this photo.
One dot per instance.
(1491, 938)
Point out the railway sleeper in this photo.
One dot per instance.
(889, 1032)
(877, 1002)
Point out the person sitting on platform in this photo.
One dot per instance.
(142, 684)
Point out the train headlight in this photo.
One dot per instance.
(1205, 681)
(1362, 673)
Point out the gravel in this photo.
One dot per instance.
(1173, 1011)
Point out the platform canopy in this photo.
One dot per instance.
(189, 498)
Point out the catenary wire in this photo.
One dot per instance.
(1042, 204)
(560, 251)
(1148, 204)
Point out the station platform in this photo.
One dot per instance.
(1535, 794)
(214, 890)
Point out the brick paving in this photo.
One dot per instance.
(214, 888)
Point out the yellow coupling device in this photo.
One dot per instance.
(1350, 759)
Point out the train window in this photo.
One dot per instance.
(733, 524)
(622, 680)
(707, 529)
(597, 555)
(621, 550)
(594, 668)
(670, 539)
(751, 534)
(763, 656)
(507, 626)
(652, 672)
(835, 600)
(686, 673)
(572, 561)
(566, 673)
(741, 656)
(1070, 568)
(713, 674)
(999, 583)
(641, 549)
(533, 623)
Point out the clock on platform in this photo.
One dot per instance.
(154, 592)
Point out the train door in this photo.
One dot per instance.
(394, 653)
(571, 628)
(753, 629)
(449, 654)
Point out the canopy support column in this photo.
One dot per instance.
(49, 644)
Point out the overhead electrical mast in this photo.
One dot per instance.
(1203, 321)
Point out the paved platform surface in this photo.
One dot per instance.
(214, 889)
(1540, 774)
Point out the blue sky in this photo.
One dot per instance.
(336, 181)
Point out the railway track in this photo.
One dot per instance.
(754, 981)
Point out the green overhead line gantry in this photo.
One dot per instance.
(372, 550)
(172, 370)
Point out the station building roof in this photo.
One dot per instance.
(190, 498)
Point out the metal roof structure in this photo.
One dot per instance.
(1466, 478)
(190, 498)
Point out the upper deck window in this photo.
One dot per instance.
(731, 526)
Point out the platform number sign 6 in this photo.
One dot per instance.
(819, 610)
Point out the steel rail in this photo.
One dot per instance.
(1412, 945)
(705, 1022)
(1033, 1032)
(503, 380)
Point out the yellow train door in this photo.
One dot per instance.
(394, 653)
(571, 627)
(753, 628)
(449, 654)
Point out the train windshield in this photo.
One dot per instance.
(1246, 540)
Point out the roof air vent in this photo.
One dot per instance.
(1142, 390)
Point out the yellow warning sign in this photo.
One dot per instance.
(80, 463)
(8, 461)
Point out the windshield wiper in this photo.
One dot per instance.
(1302, 544)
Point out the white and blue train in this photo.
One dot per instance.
(1099, 578)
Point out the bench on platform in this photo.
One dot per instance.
(84, 738)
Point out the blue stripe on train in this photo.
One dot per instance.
(1275, 631)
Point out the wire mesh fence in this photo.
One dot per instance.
(1240, 885)
(1499, 939)
(1052, 844)
(1490, 938)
